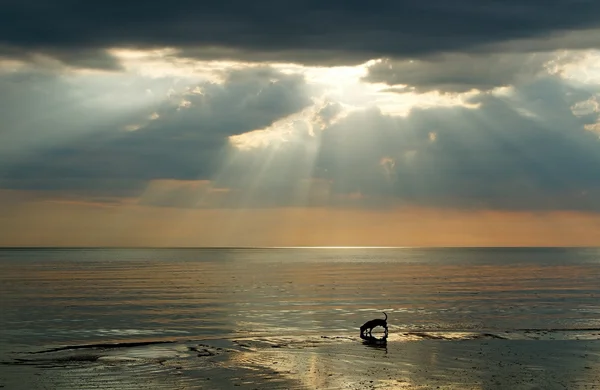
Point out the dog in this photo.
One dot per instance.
(368, 326)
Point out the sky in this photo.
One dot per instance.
(300, 123)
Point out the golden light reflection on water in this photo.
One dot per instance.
(475, 364)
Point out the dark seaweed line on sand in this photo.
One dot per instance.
(431, 336)
(105, 346)
(556, 330)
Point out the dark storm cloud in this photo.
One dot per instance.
(288, 30)
(179, 138)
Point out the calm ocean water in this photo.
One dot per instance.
(54, 297)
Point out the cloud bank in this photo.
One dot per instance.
(295, 31)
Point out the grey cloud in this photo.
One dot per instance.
(328, 113)
(293, 31)
(56, 59)
(459, 72)
(86, 59)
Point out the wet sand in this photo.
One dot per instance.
(410, 360)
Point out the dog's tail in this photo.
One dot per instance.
(385, 315)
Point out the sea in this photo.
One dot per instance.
(72, 298)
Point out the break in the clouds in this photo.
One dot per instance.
(344, 104)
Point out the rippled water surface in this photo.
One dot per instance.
(57, 297)
(76, 295)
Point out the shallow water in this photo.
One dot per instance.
(73, 297)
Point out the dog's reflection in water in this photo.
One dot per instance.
(375, 342)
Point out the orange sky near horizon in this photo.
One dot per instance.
(47, 222)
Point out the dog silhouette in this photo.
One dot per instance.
(367, 327)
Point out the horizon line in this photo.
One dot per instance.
(308, 247)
